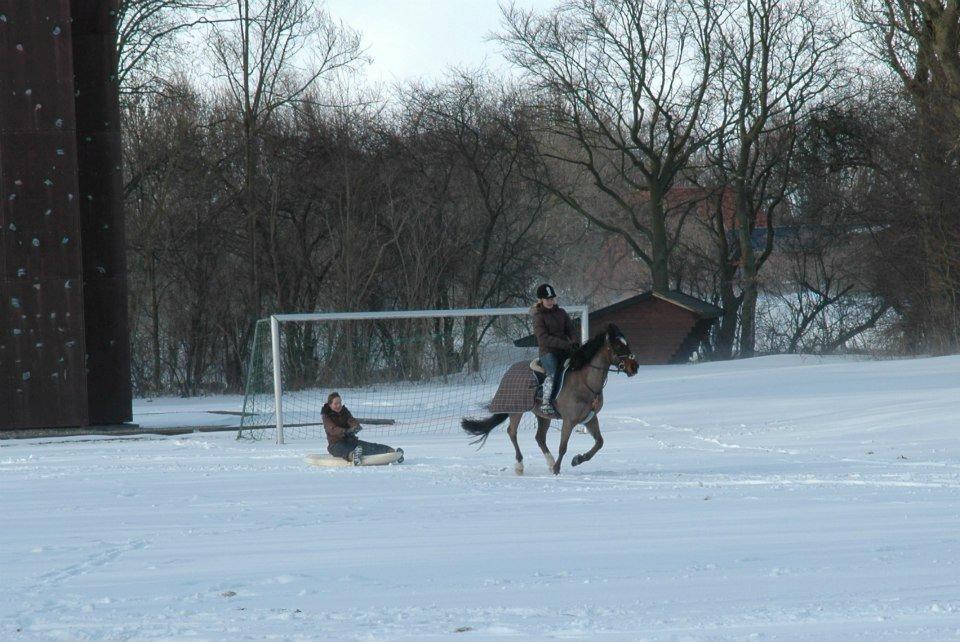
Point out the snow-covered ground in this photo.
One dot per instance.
(780, 498)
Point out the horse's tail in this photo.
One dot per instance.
(480, 428)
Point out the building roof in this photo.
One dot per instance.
(702, 308)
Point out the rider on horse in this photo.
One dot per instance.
(556, 338)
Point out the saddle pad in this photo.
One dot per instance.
(517, 390)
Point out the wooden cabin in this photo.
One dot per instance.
(661, 327)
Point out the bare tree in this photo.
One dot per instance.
(175, 229)
(781, 61)
(271, 55)
(624, 86)
(147, 38)
(818, 289)
(479, 132)
(919, 41)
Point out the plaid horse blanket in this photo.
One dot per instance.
(517, 391)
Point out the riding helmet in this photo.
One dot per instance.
(546, 291)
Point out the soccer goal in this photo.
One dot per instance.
(403, 372)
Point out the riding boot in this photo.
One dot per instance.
(546, 407)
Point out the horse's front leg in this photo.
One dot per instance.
(593, 427)
(512, 431)
(543, 425)
(565, 433)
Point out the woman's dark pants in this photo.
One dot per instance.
(344, 447)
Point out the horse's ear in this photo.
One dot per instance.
(614, 334)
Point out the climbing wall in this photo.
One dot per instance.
(64, 351)
(101, 211)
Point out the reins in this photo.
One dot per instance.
(610, 368)
(596, 393)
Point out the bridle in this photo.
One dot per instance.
(615, 365)
(620, 358)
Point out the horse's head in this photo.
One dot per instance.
(620, 354)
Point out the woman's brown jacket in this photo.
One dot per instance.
(338, 425)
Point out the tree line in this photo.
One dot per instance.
(793, 162)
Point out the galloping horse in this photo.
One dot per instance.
(578, 402)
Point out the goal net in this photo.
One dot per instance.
(398, 372)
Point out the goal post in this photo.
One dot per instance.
(387, 365)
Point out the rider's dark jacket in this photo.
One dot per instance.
(553, 328)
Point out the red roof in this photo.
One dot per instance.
(704, 201)
(617, 267)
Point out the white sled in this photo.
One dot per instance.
(329, 461)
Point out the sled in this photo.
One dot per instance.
(329, 461)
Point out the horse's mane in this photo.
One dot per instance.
(586, 352)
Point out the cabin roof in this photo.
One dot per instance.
(701, 308)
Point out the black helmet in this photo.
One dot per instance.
(546, 291)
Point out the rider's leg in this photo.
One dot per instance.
(550, 363)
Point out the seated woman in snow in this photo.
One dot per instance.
(342, 431)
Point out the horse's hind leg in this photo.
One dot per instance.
(543, 425)
(593, 427)
(512, 431)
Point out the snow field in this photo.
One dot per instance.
(781, 498)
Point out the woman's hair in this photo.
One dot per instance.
(332, 396)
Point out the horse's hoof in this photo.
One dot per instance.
(551, 463)
(518, 468)
(556, 469)
(577, 461)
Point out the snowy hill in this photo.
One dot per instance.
(779, 498)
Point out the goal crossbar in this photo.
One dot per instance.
(276, 319)
(582, 310)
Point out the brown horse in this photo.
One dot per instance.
(578, 402)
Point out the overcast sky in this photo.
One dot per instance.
(411, 39)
